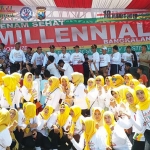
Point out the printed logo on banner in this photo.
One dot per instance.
(26, 13)
(40, 13)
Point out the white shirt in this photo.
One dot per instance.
(116, 58)
(53, 70)
(36, 84)
(75, 57)
(50, 54)
(68, 70)
(97, 142)
(5, 139)
(37, 58)
(17, 56)
(96, 59)
(127, 57)
(21, 119)
(104, 60)
(80, 96)
(65, 57)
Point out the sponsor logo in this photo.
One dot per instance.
(41, 13)
(26, 13)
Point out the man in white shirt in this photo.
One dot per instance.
(17, 58)
(77, 60)
(66, 68)
(52, 67)
(104, 62)
(64, 55)
(115, 61)
(95, 58)
(50, 53)
(37, 58)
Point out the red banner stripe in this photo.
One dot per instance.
(11, 2)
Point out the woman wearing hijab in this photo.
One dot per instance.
(61, 127)
(12, 127)
(91, 94)
(136, 137)
(5, 137)
(142, 115)
(9, 86)
(78, 92)
(91, 138)
(67, 89)
(99, 81)
(97, 115)
(134, 83)
(117, 80)
(17, 95)
(53, 93)
(76, 127)
(116, 136)
(127, 78)
(2, 74)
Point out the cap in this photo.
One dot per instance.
(104, 48)
(77, 46)
(17, 43)
(94, 46)
(52, 46)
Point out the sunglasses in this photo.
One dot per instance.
(114, 79)
(98, 80)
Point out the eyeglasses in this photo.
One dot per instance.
(114, 79)
(98, 80)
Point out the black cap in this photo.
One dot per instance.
(52, 46)
(94, 46)
(77, 46)
(60, 61)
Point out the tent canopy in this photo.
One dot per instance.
(129, 4)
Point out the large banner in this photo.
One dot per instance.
(82, 32)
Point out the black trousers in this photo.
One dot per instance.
(147, 145)
(13, 144)
(114, 69)
(138, 145)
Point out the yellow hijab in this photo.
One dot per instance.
(27, 84)
(8, 87)
(93, 84)
(107, 87)
(4, 119)
(55, 84)
(130, 78)
(143, 105)
(90, 130)
(15, 117)
(118, 80)
(66, 79)
(107, 127)
(118, 99)
(77, 78)
(100, 78)
(100, 122)
(18, 78)
(135, 101)
(2, 74)
(50, 111)
(62, 118)
(135, 82)
(77, 114)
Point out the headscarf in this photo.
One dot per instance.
(119, 80)
(90, 130)
(106, 87)
(130, 78)
(50, 111)
(18, 78)
(107, 127)
(78, 78)
(77, 114)
(100, 122)
(15, 117)
(118, 99)
(4, 119)
(8, 87)
(62, 118)
(135, 100)
(27, 84)
(93, 84)
(143, 105)
(55, 84)
(2, 74)
(135, 82)
(66, 79)
(100, 78)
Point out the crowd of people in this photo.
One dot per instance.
(73, 102)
